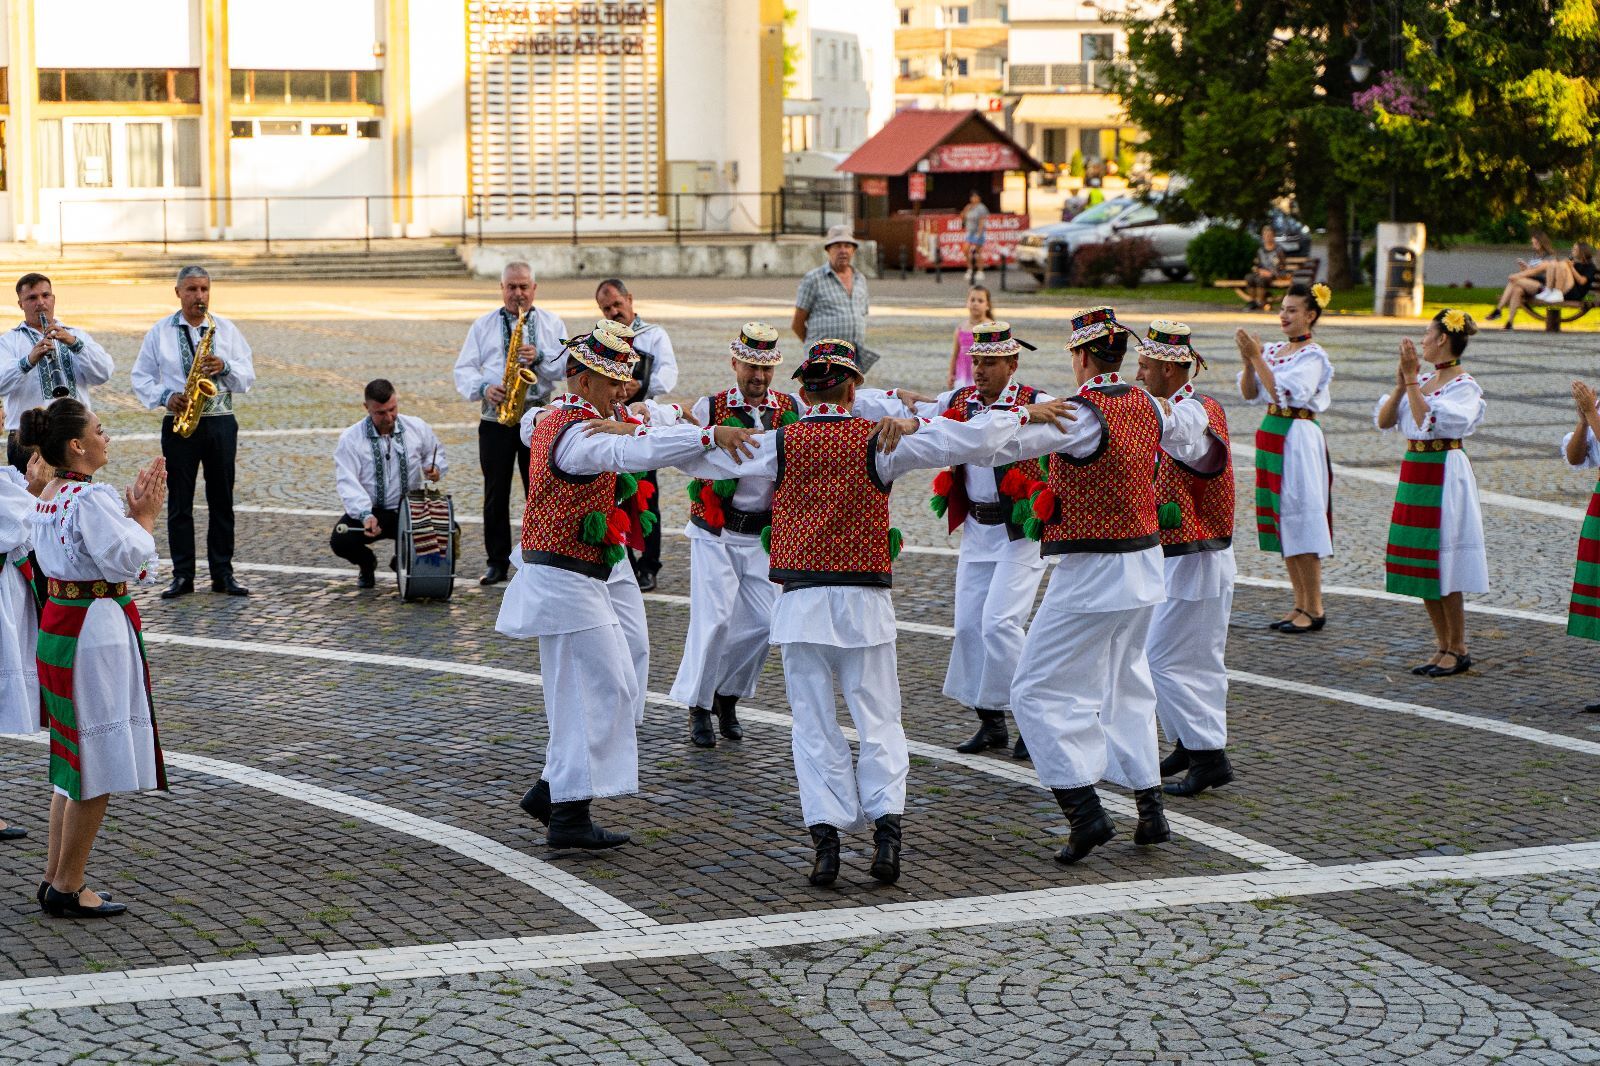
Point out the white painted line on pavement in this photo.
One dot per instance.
(1391, 597)
(1245, 455)
(1214, 837)
(247, 977)
(577, 895)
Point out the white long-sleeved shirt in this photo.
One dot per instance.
(160, 370)
(544, 600)
(482, 362)
(1087, 582)
(651, 338)
(16, 511)
(861, 616)
(1454, 411)
(356, 473)
(88, 364)
(1302, 379)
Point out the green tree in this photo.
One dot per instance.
(1484, 108)
(791, 50)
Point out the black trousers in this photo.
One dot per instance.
(500, 450)
(211, 451)
(355, 546)
(649, 560)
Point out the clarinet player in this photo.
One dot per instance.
(43, 359)
(480, 373)
(160, 374)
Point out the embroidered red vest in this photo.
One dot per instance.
(1106, 502)
(712, 515)
(1205, 501)
(552, 524)
(957, 506)
(830, 513)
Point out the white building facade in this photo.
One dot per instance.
(842, 89)
(229, 119)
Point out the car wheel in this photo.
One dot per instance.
(1175, 273)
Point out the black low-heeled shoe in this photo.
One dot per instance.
(13, 832)
(44, 886)
(1317, 622)
(66, 905)
(1463, 663)
(1591, 708)
(1422, 671)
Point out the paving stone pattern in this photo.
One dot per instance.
(1495, 969)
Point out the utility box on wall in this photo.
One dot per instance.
(685, 178)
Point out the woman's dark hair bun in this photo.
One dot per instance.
(35, 425)
(51, 429)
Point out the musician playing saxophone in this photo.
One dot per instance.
(480, 376)
(39, 363)
(377, 461)
(160, 374)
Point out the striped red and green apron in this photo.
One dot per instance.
(64, 613)
(1412, 560)
(1270, 436)
(1583, 616)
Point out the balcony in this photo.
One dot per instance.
(1094, 76)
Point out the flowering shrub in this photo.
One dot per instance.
(1392, 94)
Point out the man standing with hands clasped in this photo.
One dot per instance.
(159, 375)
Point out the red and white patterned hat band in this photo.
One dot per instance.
(606, 351)
(1093, 324)
(993, 338)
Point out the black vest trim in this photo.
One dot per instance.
(1099, 547)
(1195, 547)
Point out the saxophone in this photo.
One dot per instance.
(517, 379)
(198, 387)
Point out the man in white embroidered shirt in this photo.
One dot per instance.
(159, 375)
(42, 359)
(376, 462)
(480, 373)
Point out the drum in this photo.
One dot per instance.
(425, 546)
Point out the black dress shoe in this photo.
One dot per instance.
(1207, 769)
(1462, 664)
(1091, 825)
(493, 575)
(44, 886)
(66, 905)
(13, 832)
(647, 582)
(181, 586)
(726, 710)
(1422, 671)
(228, 585)
(367, 579)
(571, 827)
(886, 849)
(991, 733)
(1177, 762)
(700, 732)
(1021, 750)
(825, 868)
(536, 801)
(1152, 827)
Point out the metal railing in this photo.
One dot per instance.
(1092, 76)
(363, 220)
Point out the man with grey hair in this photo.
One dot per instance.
(480, 374)
(159, 375)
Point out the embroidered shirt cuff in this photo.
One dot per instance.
(24, 364)
(166, 394)
(363, 516)
(75, 347)
(1022, 416)
(708, 438)
(224, 372)
(641, 431)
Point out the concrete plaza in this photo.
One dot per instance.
(1404, 870)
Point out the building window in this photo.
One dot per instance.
(47, 135)
(905, 16)
(3, 185)
(241, 128)
(961, 67)
(330, 129)
(144, 155)
(307, 86)
(955, 16)
(279, 129)
(5, 85)
(1098, 46)
(905, 68)
(186, 151)
(91, 148)
(152, 85)
(369, 128)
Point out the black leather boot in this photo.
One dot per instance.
(1091, 825)
(991, 733)
(1021, 750)
(727, 717)
(886, 856)
(571, 827)
(1177, 762)
(1152, 828)
(536, 801)
(1208, 769)
(825, 838)
(700, 731)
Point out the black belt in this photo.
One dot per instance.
(752, 522)
(994, 513)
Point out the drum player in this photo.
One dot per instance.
(377, 461)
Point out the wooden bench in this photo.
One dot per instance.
(1303, 270)
(1565, 311)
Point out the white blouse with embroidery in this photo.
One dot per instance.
(1302, 378)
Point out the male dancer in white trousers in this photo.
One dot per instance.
(1189, 632)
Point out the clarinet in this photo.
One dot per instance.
(50, 382)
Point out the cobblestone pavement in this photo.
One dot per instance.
(1404, 870)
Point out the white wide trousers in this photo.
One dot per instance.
(993, 598)
(1186, 646)
(590, 695)
(730, 621)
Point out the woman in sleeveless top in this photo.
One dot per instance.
(92, 543)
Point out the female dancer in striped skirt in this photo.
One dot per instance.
(1294, 479)
(92, 669)
(1582, 448)
(1436, 534)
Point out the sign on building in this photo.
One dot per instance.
(564, 108)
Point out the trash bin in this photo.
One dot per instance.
(1399, 279)
(1058, 266)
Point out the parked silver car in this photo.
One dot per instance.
(1124, 216)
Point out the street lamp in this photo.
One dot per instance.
(1360, 65)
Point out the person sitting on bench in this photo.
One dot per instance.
(1553, 281)
(1270, 268)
